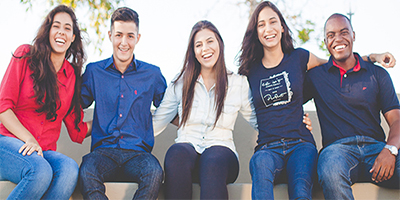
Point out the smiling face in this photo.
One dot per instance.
(339, 38)
(124, 36)
(61, 33)
(269, 28)
(206, 48)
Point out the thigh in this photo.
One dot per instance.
(302, 161)
(219, 161)
(60, 162)
(338, 160)
(266, 163)
(181, 157)
(100, 163)
(13, 165)
(140, 165)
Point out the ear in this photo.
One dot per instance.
(283, 30)
(109, 35)
(354, 36)
(138, 37)
(73, 38)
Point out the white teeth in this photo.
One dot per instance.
(207, 55)
(340, 47)
(59, 40)
(270, 36)
(123, 49)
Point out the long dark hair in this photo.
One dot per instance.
(252, 50)
(192, 68)
(44, 75)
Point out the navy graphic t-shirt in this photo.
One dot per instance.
(278, 98)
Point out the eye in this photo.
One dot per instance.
(345, 32)
(198, 45)
(131, 36)
(330, 36)
(261, 25)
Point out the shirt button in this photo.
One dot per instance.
(122, 96)
(345, 75)
(122, 137)
(41, 123)
(122, 76)
(120, 115)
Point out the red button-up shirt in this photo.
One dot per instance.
(16, 92)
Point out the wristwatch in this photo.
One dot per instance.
(393, 150)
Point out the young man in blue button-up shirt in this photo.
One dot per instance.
(122, 135)
(349, 95)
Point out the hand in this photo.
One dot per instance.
(30, 146)
(307, 121)
(387, 60)
(383, 167)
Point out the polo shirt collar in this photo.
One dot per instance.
(132, 67)
(331, 65)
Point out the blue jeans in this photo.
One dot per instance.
(213, 169)
(107, 164)
(347, 161)
(53, 176)
(293, 159)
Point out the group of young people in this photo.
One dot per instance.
(43, 86)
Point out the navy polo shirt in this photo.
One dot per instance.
(349, 104)
(278, 98)
(122, 117)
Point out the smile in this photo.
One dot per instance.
(270, 36)
(340, 47)
(60, 41)
(206, 56)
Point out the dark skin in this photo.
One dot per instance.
(339, 38)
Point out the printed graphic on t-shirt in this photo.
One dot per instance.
(276, 90)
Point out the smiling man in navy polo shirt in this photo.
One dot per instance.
(349, 95)
(122, 135)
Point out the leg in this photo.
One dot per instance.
(301, 170)
(218, 167)
(97, 167)
(144, 169)
(372, 149)
(179, 165)
(265, 165)
(65, 175)
(338, 168)
(32, 174)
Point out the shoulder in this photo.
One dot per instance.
(22, 50)
(101, 64)
(236, 79)
(147, 66)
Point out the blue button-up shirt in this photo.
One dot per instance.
(122, 117)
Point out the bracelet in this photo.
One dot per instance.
(369, 59)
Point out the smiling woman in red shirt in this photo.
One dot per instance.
(39, 91)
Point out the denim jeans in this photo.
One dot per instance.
(53, 176)
(294, 159)
(108, 164)
(347, 161)
(213, 169)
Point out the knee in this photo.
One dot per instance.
(260, 160)
(40, 172)
(69, 169)
(178, 156)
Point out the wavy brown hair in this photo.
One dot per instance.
(191, 71)
(44, 75)
(252, 50)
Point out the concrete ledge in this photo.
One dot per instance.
(125, 191)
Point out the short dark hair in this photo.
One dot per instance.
(125, 14)
(336, 15)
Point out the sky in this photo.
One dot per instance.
(165, 27)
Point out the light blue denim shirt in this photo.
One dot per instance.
(199, 129)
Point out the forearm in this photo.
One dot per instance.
(12, 124)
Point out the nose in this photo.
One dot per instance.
(124, 40)
(61, 32)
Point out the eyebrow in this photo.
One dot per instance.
(119, 32)
(60, 23)
(273, 17)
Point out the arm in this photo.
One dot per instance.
(314, 61)
(307, 121)
(12, 124)
(247, 108)
(387, 60)
(384, 164)
(167, 110)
